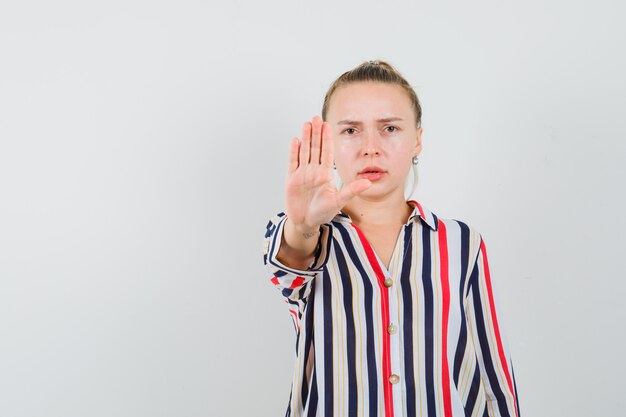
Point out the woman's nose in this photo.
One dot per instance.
(371, 144)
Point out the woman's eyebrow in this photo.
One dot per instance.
(390, 119)
(348, 122)
(383, 120)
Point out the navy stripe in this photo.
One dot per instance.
(429, 341)
(435, 221)
(460, 352)
(328, 346)
(301, 293)
(462, 341)
(405, 285)
(269, 228)
(313, 401)
(308, 339)
(465, 247)
(515, 389)
(350, 334)
(484, 346)
(295, 328)
(288, 412)
(472, 395)
(368, 295)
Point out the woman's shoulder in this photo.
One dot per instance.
(453, 228)
(435, 220)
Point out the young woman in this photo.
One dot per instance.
(393, 306)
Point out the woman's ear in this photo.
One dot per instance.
(418, 142)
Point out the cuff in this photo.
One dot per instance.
(321, 251)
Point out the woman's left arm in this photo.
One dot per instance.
(496, 366)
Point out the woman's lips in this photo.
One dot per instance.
(372, 173)
(372, 176)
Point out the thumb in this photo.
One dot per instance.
(350, 190)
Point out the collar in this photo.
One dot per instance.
(419, 211)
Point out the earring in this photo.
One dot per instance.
(414, 160)
(334, 166)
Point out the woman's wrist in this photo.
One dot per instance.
(307, 232)
(300, 237)
(298, 245)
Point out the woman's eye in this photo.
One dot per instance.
(349, 130)
(392, 127)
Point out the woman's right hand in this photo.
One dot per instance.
(311, 196)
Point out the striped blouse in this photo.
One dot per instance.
(421, 338)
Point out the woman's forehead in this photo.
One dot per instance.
(369, 100)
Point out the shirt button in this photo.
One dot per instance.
(388, 282)
(394, 379)
(391, 329)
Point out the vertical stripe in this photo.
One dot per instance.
(481, 331)
(462, 340)
(429, 341)
(312, 411)
(473, 393)
(308, 342)
(369, 323)
(350, 334)
(494, 318)
(384, 293)
(516, 397)
(362, 387)
(445, 300)
(460, 352)
(339, 344)
(405, 284)
(328, 347)
(416, 316)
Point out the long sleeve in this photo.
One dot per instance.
(294, 284)
(494, 359)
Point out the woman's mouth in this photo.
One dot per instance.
(372, 173)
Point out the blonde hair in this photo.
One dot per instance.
(376, 71)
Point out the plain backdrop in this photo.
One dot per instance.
(143, 148)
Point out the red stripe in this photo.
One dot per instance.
(295, 318)
(297, 281)
(384, 292)
(445, 299)
(492, 307)
(274, 280)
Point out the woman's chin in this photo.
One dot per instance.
(377, 190)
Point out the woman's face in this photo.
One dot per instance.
(373, 125)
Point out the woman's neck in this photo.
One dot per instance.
(378, 212)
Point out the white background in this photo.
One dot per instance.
(143, 148)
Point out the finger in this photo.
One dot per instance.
(327, 146)
(350, 190)
(293, 155)
(316, 140)
(305, 144)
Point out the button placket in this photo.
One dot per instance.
(395, 377)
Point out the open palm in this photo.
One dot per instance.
(311, 197)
